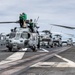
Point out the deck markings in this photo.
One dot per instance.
(68, 63)
(43, 50)
(67, 60)
(17, 56)
(52, 64)
(14, 57)
(23, 49)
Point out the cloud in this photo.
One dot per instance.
(49, 11)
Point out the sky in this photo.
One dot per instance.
(49, 12)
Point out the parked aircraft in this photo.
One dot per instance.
(22, 37)
(57, 40)
(70, 41)
(46, 38)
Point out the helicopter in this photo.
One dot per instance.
(57, 40)
(46, 38)
(22, 38)
(70, 42)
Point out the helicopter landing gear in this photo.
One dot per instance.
(51, 46)
(34, 48)
(10, 49)
(38, 46)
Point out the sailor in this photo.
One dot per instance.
(24, 15)
(21, 20)
(15, 29)
(31, 25)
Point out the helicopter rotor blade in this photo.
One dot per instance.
(9, 22)
(68, 27)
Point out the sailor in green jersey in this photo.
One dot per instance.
(31, 25)
(24, 16)
(24, 19)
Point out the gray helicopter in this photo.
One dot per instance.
(70, 42)
(46, 38)
(22, 38)
(57, 40)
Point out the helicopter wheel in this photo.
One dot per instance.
(38, 46)
(14, 49)
(34, 49)
(10, 49)
(51, 46)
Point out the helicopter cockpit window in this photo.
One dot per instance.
(50, 36)
(25, 35)
(42, 34)
(60, 38)
(1, 38)
(12, 35)
(46, 33)
(56, 36)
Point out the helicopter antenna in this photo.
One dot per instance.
(35, 20)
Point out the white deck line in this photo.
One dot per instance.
(67, 60)
(52, 64)
(14, 57)
(44, 50)
(68, 63)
